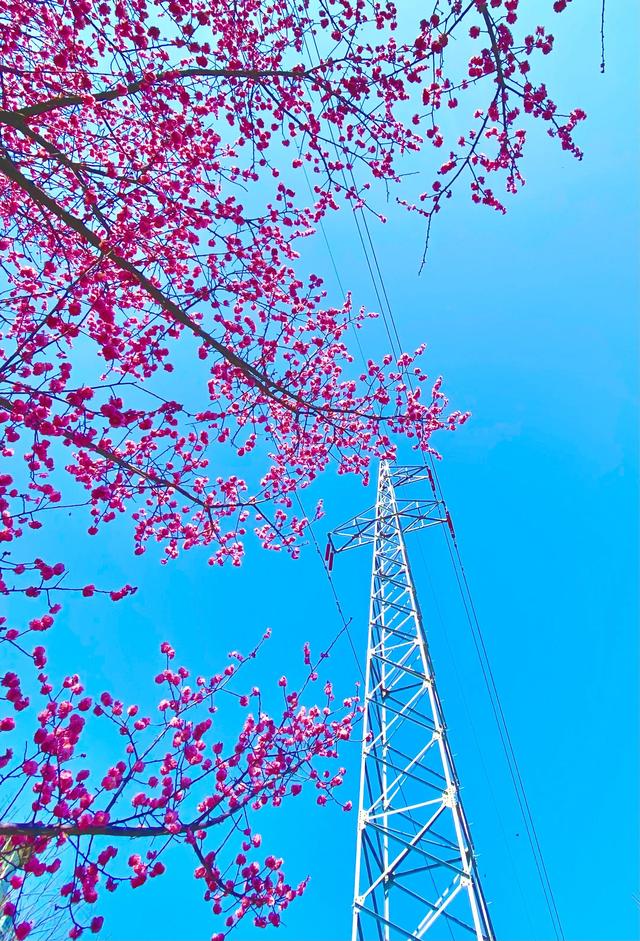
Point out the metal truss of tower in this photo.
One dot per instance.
(416, 873)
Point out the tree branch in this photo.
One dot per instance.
(114, 830)
(132, 87)
(80, 442)
(270, 388)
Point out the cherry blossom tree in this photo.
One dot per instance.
(147, 211)
(162, 163)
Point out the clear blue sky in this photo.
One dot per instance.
(532, 319)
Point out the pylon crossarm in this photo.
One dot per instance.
(409, 474)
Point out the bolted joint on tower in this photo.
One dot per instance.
(416, 871)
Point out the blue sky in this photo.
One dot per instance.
(532, 319)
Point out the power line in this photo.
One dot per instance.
(472, 727)
(335, 268)
(479, 644)
(501, 722)
(398, 349)
(461, 578)
(345, 621)
(365, 223)
(492, 691)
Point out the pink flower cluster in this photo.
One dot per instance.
(176, 782)
(145, 210)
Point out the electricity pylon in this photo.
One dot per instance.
(416, 871)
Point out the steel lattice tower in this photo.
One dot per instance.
(416, 871)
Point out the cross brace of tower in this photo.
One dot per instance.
(416, 872)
